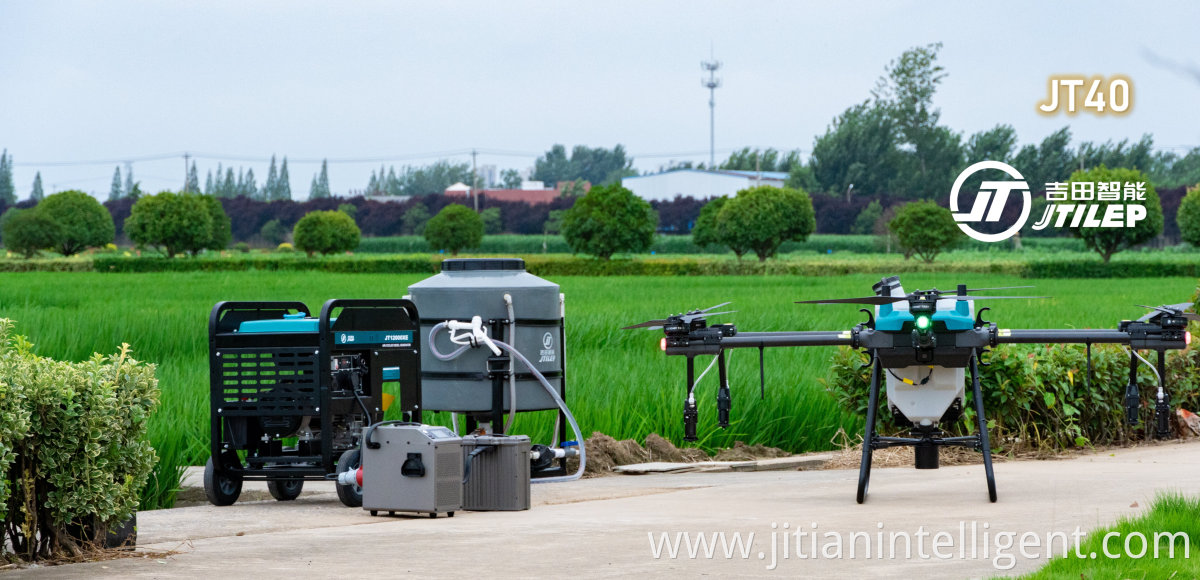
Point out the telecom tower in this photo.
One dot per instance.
(711, 83)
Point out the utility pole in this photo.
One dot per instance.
(186, 157)
(711, 83)
(474, 179)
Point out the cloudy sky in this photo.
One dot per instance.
(365, 83)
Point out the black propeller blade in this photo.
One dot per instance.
(997, 288)
(879, 300)
(685, 318)
(1172, 309)
(869, 300)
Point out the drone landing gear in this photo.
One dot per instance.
(864, 468)
(925, 441)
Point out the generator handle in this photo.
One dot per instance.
(214, 318)
(371, 444)
(329, 305)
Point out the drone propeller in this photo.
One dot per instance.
(868, 300)
(997, 288)
(685, 318)
(880, 300)
(1172, 309)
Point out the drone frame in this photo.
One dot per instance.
(689, 335)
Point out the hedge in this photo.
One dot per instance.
(73, 450)
(682, 244)
(1041, 265)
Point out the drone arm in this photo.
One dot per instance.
(768, 339)
(1060, 336)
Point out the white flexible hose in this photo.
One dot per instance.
(561, 405)
(1152, 368)
(545, 384)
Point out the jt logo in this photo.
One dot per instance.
(1001, 189)
(990, 201)
(1118, 90)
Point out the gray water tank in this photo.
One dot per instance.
(476, 287)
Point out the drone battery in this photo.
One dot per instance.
(497, 469)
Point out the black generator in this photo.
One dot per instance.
(292, 393)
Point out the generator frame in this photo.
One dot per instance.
(261, 380)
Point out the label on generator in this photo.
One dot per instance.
(389, 338)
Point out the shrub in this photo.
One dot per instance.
(491, 220)
(273, 232)
(1037, 395)
(83, 221)
(608, 220)
(454, 228)
(414, 220)
(707, 231)
(222, 229)
(28, 231)
(1108, 241)
(327, 232)
(925, 228)
(242, 247)
(73, 449)
(1188, 217)
(764, 217)
(178, 222)
(865, 222)
(285, 248)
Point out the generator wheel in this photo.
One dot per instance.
(351, 495)
(285, 489)
(221, 490)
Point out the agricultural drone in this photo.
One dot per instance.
(921, 343)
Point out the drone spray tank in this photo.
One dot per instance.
(926, 395)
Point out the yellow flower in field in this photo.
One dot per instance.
(127, 254)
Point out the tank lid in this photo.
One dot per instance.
(478, 264)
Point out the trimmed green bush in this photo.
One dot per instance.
(609, 220)
(762, 218)
(28, 231)
(178, 223)
(926, 229)
(327, 232)
(83, 222)
(73, 447)
(455, 228)
(1188, 217)
(1108, 241)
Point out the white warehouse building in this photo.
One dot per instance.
(699, 183)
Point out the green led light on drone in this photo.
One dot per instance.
(922, 322)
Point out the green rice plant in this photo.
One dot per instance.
(618, 382)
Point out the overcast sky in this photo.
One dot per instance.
(405, 81)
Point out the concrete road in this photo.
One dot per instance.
(603, 527)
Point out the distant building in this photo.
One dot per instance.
(487, 174)
(699, 183)
(531, 196)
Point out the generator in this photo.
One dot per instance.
(496, 472)
(410, 467)
(291, 393)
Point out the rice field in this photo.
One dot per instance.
(619, 382)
